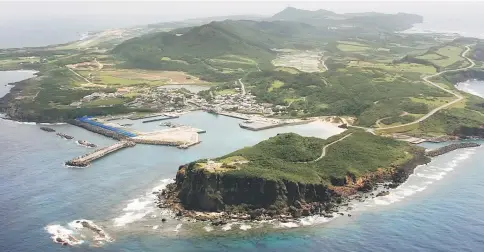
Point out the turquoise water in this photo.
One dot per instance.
(438, 209)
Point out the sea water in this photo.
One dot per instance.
(439, 208)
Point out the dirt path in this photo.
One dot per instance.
(80, 76)
(242, 86)
(323, 152)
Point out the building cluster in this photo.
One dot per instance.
(165, 100)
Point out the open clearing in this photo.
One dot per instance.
(128, 77)
(305, 61)
(350, 46)
(402, 67)
(444, 56)
(276, 84)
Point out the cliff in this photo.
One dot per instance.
(204, 186)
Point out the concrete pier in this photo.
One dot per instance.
(166, 117)
(85, 160)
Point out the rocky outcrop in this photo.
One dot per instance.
(451, 147)
(198, 190)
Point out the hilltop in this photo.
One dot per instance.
(289, 173)
(367, 20)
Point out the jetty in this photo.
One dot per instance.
(65, 136)
(102, 129)
(166, 117)
(256, 125)
(47, 129)
(449, 148)
(85, 160)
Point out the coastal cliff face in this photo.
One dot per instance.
(204, 191)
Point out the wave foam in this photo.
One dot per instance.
(75, 230)
(245, 227)
(140, 207)
(423, 176)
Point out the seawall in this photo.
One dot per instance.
(449, 148)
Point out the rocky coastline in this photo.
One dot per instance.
(220, 198)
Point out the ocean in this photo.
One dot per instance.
(439, 208)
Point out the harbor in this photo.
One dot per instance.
(85, 160)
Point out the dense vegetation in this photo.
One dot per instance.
(363, 94)
(277, 158)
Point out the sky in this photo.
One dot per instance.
(140, 12)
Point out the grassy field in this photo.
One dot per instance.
(287, 69)
(130, 77)
(281, 157)
(444, 56)
(401, 67)
(276, 84)
(350, 46)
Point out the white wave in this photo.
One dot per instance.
(140, 207)
(155, 227)
(26, 123)
(52, 123)
(62, 235)
(177, 228)
(227, 227)
(287, 225)
(312, 220)
(208, 228)
(71, 234)
(245, 227)
(423, 176)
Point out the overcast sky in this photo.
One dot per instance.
(149, 12)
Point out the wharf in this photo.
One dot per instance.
(85, 160)
(166, 117)
(262, 125)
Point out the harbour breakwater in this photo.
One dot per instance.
(98, 130)
(451, 147)
(85, 160)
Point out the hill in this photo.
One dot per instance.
(290, 172)
(367, 21)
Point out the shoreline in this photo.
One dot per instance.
(339, 205)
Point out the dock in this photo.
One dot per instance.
(263, 125)
(85, 160)
(166, 117)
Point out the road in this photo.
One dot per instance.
(457, 95)
(323, 63)
(323, 152)
(426, 79)
(80, 76)
(242, 86)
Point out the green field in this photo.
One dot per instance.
(280, 157)
(276, 84)
(401, 67)
(349, 46)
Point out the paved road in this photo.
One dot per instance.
(457, 95)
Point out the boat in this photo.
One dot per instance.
(47, 129)
(86, 143)
(65, 136)
(127, 124)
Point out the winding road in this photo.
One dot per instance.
(426, 79)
